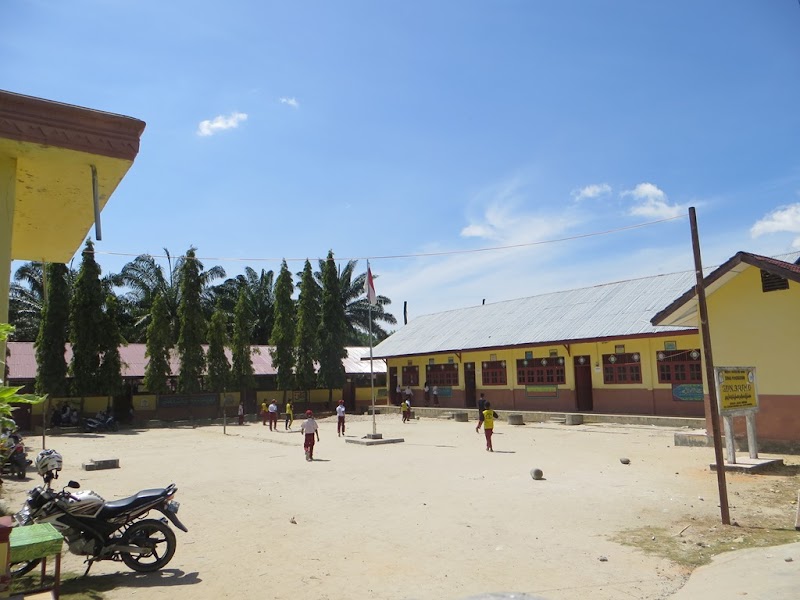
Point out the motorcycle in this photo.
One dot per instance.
(102, 422)
(15, 460)
(100, 530)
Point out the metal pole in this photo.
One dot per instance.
(372, 374)
(98, 233)
(712, 382)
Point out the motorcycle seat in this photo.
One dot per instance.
(143, 498)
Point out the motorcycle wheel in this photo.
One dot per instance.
(158, 543)
(21, 568)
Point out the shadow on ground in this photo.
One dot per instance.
(92, 587)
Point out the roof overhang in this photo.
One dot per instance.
(684, 312)
(54, 146)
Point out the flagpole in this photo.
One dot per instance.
(371, 373)
(372, 299)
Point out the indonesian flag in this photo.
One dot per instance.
(369, 288)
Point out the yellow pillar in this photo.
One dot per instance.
(8, 185)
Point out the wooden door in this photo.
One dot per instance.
(469, 385)
(583, 383)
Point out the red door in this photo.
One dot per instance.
(469, 385)
(583, 383)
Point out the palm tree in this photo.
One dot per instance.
(26, 299)
(145, 278)
(356, 306)
(259, 298)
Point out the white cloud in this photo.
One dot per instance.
(652, 202)
(220, 123)
(783, 219)
(290, 102)
(592, 191)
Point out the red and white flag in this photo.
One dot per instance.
(369, 288)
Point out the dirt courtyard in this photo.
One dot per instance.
(435, 517)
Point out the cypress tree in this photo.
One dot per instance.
(192, 326)
(332, 331)
(219, 369)
(159, 343)
(51, 376)
(242, 353)
(306, 333)
(86, 322)
(283, 331)
(110, 374)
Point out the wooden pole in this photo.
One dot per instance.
(712, 382)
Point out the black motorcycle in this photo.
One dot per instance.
(101, 530)
(99, 424)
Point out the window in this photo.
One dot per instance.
(622, 368)
(444, 375)
(494, 372)
(541, 370)
(410, 376)
(679, 366)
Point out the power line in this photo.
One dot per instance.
(411, 255)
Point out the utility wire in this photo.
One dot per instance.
(413, 255)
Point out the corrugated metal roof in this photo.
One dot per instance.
(613, 310)
(22, 361)
(683, 310)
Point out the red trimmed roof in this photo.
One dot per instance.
(22, 361)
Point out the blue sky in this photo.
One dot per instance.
(376, 129)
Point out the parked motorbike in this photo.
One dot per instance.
(101, 423)
(15, 459)
(101, 530)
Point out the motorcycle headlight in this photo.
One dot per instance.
(36, 499)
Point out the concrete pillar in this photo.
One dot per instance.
(8, 186)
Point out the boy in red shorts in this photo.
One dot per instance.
(309, 428)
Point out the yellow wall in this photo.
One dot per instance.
(8, 180)
(646, 347)
(89, 405)
(752, 328)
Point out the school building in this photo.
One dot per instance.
(357, 391)
(629, 347)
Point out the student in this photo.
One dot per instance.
(481, 408)
(488, 425)
(406, 410)
(264, 412)
(241, 413)
(340, 418)
(427, 391)
(436, 395)
(289, 415)
(309, 428)
(273, 415)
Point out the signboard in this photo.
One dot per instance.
(181, 401)
(541, 391)
(736, 390)
(688, 392)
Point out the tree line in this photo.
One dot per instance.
(175, 311)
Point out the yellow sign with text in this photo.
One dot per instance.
(736, 389)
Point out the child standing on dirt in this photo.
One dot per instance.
(289, 415)
(488, 425)
(481, 407)
(406, 411)
(340, 418)
(309, 429)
